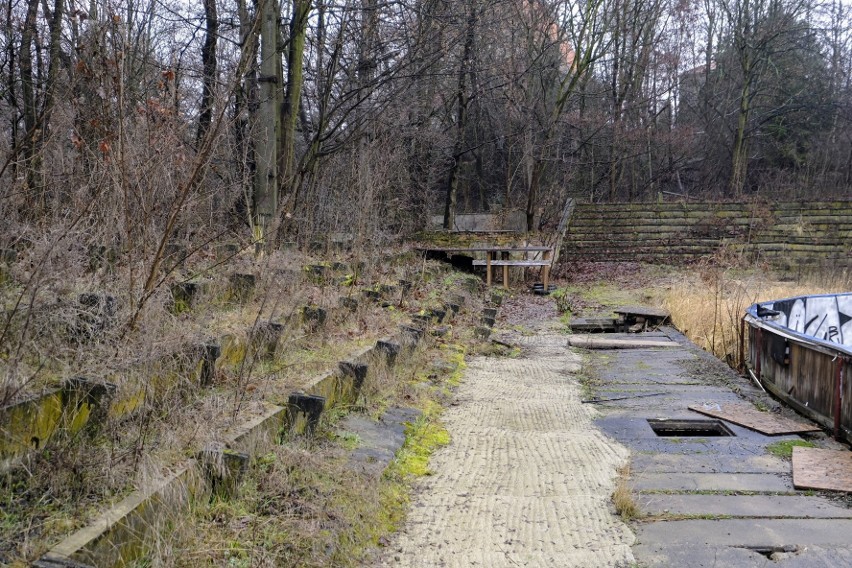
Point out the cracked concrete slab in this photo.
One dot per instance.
(774, 506)
(702, 556)
(705, 463)
(748, 532)
(378, 440)
(700, 477)
(766, 482)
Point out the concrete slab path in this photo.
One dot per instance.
(527, 478)
(706, 500)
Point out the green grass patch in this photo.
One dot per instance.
(422, 438)
(784, 448)
(455, 354)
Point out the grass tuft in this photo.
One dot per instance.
(622, 498)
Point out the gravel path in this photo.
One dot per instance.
(527, 478)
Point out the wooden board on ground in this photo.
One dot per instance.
(598, 342)
(748, 416)
(579, 325)
(829, 470)
(644, 311)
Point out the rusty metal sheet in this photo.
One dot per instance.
(748, 416)
(829, 470)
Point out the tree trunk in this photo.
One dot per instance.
(30, 110)
(532, 193)
(266, 142)
(739, 159)
(55, 51)
(245, 111)
(293, 95)
(209, 62)
(461, 119)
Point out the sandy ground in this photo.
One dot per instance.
(527, 478)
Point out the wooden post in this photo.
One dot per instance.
(758, 355)
(505, 270)
(488, 268)
(546, 276)
(838, 398)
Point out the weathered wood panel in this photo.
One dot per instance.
(808, 382)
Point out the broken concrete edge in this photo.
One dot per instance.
(202, 361)
(79, 404)
(488, 316)
(107, 540)
(40, 418)
(119, 535)
(387, 350)
(343, 384)
(59, 563)
(84, 403)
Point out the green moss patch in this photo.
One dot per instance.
(784, 448)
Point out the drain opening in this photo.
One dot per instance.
(693, 428)
(771, 552)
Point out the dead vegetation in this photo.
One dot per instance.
(708, 301)
(158, 414)
(622, 497)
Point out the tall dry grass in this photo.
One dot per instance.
(707, 304)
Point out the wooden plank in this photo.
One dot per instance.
(644, 311)
(747, 416)
(512, 263)
(489, 248)
(592, 324)
(829, 470)
(598, 342)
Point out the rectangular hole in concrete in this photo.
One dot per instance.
(691, 428)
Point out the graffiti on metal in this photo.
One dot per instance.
(825, 318)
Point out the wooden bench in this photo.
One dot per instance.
(491, 260)
(488, 263)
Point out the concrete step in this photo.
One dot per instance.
(663, 555)
(762, 482)
(753, 533)
(771, 506)
(655, 462)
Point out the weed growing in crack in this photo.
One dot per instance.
(622, 497)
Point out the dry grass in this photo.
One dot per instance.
(622, 498)
(707, 304)
(60, 488)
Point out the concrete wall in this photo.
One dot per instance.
(786, 235)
